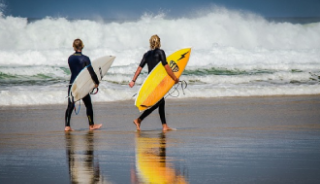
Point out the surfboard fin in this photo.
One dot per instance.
(145, 106)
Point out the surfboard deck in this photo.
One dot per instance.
(158, 82)
(83, 84)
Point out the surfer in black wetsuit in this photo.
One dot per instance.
(152, 58)
(77, 62)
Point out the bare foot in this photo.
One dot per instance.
(67, 129)
(95, 127)
(137, 122)
(166, 128)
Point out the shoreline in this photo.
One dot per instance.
(169, 99)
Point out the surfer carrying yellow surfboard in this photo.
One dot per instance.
(152, 58)
(77, 62)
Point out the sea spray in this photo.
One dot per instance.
(233, 54)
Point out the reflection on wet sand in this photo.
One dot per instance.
(152, 165)
(83, 167)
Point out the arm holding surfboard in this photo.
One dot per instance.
(168, 69)
(93, 75)
(171, 74)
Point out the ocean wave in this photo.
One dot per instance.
(233, 54)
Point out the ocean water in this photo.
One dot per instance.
(233, 54)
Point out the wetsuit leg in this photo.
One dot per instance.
(149, 111)
(87, 102)
(162, 111)
(69, 111)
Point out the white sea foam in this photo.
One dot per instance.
(233, 54)
(38, 95)
(216, 37)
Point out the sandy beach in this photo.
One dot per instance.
(218, 140)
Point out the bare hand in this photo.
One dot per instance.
(131, 84)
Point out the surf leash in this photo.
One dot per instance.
(134, 95)
(79, 107)
(74, 104)
(183, 84)
(93, 93)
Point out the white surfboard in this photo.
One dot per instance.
(83, 84)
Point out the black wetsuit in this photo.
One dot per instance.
(77, 62)
(152, 58)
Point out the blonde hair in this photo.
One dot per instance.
(155, 42)
(77, 44)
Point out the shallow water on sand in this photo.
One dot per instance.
(222, 141)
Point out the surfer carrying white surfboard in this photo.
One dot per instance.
(152, 58)
(77, 62)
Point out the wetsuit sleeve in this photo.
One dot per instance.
(143, 60)
(163, 57)
(92, 73)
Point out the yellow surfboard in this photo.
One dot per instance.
(158, 82)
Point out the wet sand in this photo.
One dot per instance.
(218, 140)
